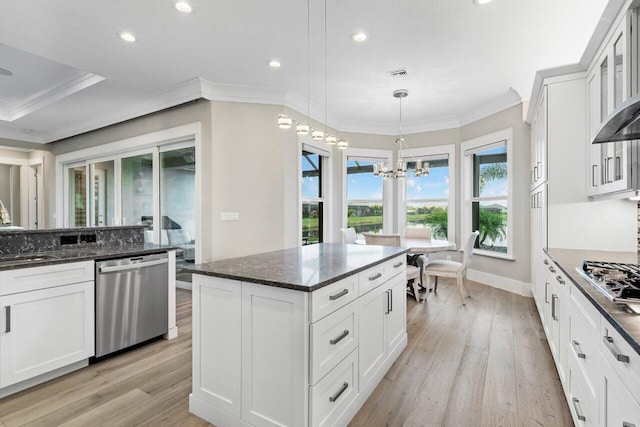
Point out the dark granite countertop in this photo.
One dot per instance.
(305, 268)
(79, 253)
(624, 321)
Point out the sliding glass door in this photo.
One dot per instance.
(136, 189)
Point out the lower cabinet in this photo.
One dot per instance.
(265, 356)
(599, 371)
(48, 327)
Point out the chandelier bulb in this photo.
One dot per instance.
(317, 135)
(331, 140)
(342, 144)
(302, 129)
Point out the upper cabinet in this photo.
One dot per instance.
(538, 170)
(608, 85)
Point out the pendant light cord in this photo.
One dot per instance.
(309, 62)
(326, 102)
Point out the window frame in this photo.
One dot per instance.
(376, 155)
(326, 184)
(473, 146)
(424, 153)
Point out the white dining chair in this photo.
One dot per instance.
(444, 268)
(413, 273)
(417, 232)
(348, 235)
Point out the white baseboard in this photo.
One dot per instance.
(183, 285)
(500, 282)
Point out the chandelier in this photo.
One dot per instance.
(286, 122)
(381, 168)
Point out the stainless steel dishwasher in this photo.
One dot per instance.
(132, 301)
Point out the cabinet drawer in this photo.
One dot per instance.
(48, 276)
(558, 279)
(396, 266)
(584, 310)
(332, 338)
(583, 347)
(332, 396)
(373, 277)
(583, 401)
(330, 298)
(621, 409)
(624, 360)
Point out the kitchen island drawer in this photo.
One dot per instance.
(397, 265)
(332, 339)
(374, 277)
(48, 276)
(624, 360)
(331, 397)
(585, 310)
(330, 298)
(582, 396)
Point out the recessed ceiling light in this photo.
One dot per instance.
(481, 1)
(5, 72)
(273, 63)
(127, 36)
(183, 7)
(359, 36)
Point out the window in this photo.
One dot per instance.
(315, 182)
(312, 200)
(366, 201)
(428, 201)
(488, 189)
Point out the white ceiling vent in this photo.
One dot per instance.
(402, 72)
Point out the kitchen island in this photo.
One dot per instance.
(297, 337)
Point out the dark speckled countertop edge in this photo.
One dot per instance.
(198, 269)
(610, 313)
(98, 254)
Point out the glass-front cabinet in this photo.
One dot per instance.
(608, 85)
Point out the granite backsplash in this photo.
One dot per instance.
(15, 242)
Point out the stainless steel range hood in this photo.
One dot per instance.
(622, 124)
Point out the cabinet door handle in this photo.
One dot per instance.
(546, 292)
(546, 262)
(339, 295)
(617, 169)
(554, 306)
(339, 392)
(390, 300)
(400, 264)
(576, 406)
(626, 424)
(7, 316)
(608, 342)
(533, 175)
(386, 309)
(578, 350)
(342, 336)
(594, 173)
(374, 277)
(560, 280)
(539, 168)
(551, 269)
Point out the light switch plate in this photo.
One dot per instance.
(229, 216)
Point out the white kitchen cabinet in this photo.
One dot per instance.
(267, 356)
(608, 85)
(538, 171)
(619, 408)
(47, 326)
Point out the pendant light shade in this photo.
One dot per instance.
(284, 122)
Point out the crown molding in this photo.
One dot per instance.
(47, 95)
(508, 100)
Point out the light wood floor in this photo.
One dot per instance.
(484, 364)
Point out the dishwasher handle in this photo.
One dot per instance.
(133, 266)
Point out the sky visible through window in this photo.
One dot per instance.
(310, 184)
(494, 187)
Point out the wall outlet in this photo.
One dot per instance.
(68, 240)
(87, 238)
(229, 216)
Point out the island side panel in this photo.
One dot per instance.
(275, 356)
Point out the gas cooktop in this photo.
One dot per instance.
(619, 282)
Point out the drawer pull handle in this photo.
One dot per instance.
(560, 280)
(339, 393)
(626, 424)
(377, 276)
(576, 406)
(546, 292)
(7, 314)
(608, 341)
(554, 307)
(551, 269)
(400, 264)
(342, 336)
(386, 310)
(546, 262)
(339, 295)
(578, 350)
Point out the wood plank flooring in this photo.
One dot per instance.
(485, 364)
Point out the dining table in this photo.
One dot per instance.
(418, 247)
